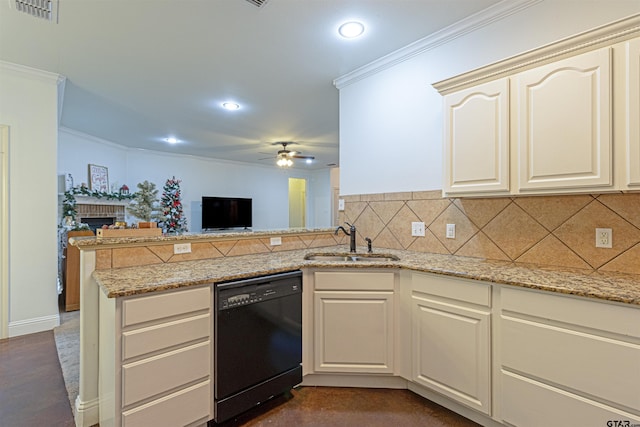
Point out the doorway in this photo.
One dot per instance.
(297, 202)
(4, 231)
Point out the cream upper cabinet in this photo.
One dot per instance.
(631, 89)
(563, 124)
(476, 133)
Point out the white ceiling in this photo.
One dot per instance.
(139, 71)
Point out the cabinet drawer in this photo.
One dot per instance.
(470, 291)
(178, 409)
(160, 374)
(596, 366)
(603, 316)
(354, 281)
(163, 336)
(528, 403)
(149, 308)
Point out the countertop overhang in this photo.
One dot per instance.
(616, 287)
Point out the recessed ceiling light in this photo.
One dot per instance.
(172, 140)
(351, 29)
(230, 106)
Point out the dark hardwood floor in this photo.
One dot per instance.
(32, 393)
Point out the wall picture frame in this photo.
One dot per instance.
(98, 178)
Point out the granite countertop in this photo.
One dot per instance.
(624, 288)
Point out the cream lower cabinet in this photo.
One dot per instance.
(354, 322)
(451, 323)
(156, 359)
(568, 361)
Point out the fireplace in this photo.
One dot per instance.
(97, 213)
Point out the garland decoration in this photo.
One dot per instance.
(69, 203)
(174, 221)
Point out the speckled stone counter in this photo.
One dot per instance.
(138, 280)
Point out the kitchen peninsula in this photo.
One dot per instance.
(487, 308)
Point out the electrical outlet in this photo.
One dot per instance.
(417, 229)
(604, 238)
(182, 248)
(340, 204)
(451, 231)
(276, 241)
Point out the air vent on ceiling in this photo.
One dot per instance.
(42, 9)
(258, 3)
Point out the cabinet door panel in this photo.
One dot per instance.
(528, 403)
(354, 332)
(477, 139)
(601, 367)
(564, 123)
(451, 351)
(633, 115)
(181, 408)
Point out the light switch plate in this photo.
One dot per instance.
(451, 231)
(182, 248)
(417, 229)
(340, 204)
(276, 241)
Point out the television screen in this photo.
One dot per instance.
(226, 212)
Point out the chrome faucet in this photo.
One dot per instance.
(351, 233)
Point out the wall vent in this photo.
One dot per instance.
(258, 3)
(42, 9)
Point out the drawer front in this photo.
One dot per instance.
(470, 291)
(165, 335)
(601, 367)
(182, 408)
(527, 403)
(618, 319)
(149, 308)
(159, 374)
(354, 281)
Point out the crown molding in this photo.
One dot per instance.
(467, 25)
(29, 72)
(605, 35)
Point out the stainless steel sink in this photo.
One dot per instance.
(351, 257)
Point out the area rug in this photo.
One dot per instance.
(67, 337)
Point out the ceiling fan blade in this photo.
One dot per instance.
(303, 157)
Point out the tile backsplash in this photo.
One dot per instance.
(544, 230)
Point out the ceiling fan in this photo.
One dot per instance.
(284, 156)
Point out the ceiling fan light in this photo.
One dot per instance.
(232, 106)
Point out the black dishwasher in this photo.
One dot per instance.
(258, 341)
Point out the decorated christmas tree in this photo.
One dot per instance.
(145, 202)
(173, 218)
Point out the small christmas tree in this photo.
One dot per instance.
(145, 202)
(173, 219)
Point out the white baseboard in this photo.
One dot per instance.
(30, 326)
(87, 413)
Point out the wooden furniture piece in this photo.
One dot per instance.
(71, 292)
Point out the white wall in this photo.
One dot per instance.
(266, 185)
(29, 106)
(391, 121)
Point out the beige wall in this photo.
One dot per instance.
(553, 230)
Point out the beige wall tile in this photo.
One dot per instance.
(371, 197)
(386, 210)
(130, 257)
(164, 252)
(428, 210)
(481, 211)
(288, 243)
(514, 231)
(551, 211)
(429, 243)
(465, 229)
(398, 196)
(578, 233)
(249, 246)
(225, 246)
(627, 262)
(423, 195)
(625, 205)
(400, 226)
(368, 224)
(353, 210)
(551, 251)
(103, 259)
(480, 246)
(322, 240)
(386, 239)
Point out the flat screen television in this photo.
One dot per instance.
(226, 212)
